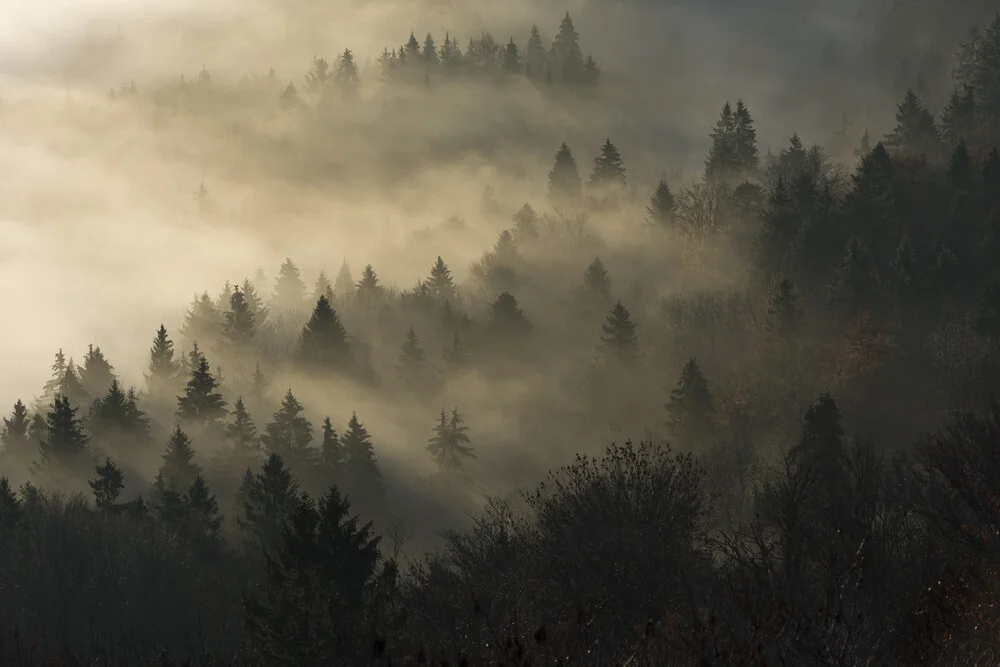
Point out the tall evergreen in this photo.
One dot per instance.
(203, 322)
(429, 53)
(322, 287)
(449, 445)
(242, 434)
(115, 419)
(722, 164)
(534, 56)
(240, 326)
(822, 448)
(440, 283)
(744, 140)
(690, 410)
(323, 344)
(108, 484)
(565, 185)
(368, 288)
(662, 204)
(201, 403)
(411, 355)
(511, 58)
(178, 470)
(318, 76)
(267, 498)
(161, 373)
(958, 120)
(344, 286)
(619, 341)
(363, 485)
(854, 287)
(55, 381)
(346, 79)
(97, 374)
(289, 434)
(609, 170)
(597, 282)
(565, 55)
(15, 439)
(506, 319)
(331, 451)
(72, 388)
(65, 441)
(456, 355)
(254, 302)
(289, 290)
(915, 129)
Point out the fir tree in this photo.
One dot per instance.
(259, 386)
(609, 170)
(289, 434)
(346, 79)
(108, 485)
(865, 148)
(525, 223)
(116, 417)
(722, 164)
(915, 130)
(411, 355)
(97, 374)
(456, 355)
(597, 282)
(178, 470)
(368, 289)
(201, 403)
(662, 204)
(318, 76)
(958, 121)
(363, 478)
(451, 54)
(162, 370)
(323, 288)
(591, 72)
(854, 286)
(242, 433)
(534, 56)
(203, 519)
(618, 336)
(821, 447)
(344, 286)
(65, 442)
(58, 372)
(289, 290)
(429, 53)
(511, 58)
(323, 344)
(202, 321)
(566, 57)
(745, 140)
(240, 326)
(960, 166)
(72, 388)
(506, 319)
(564, 178)
(15, 440)
(440, 283)
(690, 412)
(449, 446)
(289, 98)
(783, 314)
(332, 454)
(268, 498)
(412, 50)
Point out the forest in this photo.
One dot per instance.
(746, 418)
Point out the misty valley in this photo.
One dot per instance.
(490, 351)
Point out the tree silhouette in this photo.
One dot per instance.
(449, 446)
(323, 345)
(65, 442)
(609, 170)
(690, 412)
(201, 403)
(661, 207)
(618, 336)
(240, 326)
(440, 283)
(108, 485)
(289, 434)
(564, 179)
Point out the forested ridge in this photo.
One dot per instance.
(770, 415)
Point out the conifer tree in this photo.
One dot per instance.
(690, 412)
(440, 283)
(565, 185)
(566, 57)
(37, 430)
(597, 282)
(591, 72)
(411, 355)
(240, 326)
(722, 164)
(203, 519)
(72, 388)
(178, 470)
(429, 54)
(162, 370)
(511, 58)
(609, 170)
(323, 344)
(115, 418)
(662, 204)
(201, 403)
(289, 98)
(449, 446)
(619, 342)
(259, 385)
(368, 289)
(915, 129)
(318, 76)
(15, 440)
(783, 314)
(534, 56)
(506, 319)
(289, 290)
(960, 166)
(865, 148)
(451, 54)
(745, 140)
(108, 484)
(456, 355)
(525, 223)
(323, 288)
(289, 434)
(203, 321)
(363, 484)
(242, 433)
(332, 454)
(97, 374)
(268, 499)
(344, 285)
(412, 50)
(958, 121)
(821, 447)
(254, 302)
(65, 442)
(55, 382)
(346, 79)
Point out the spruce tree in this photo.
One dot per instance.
(662, 205)
(783, 314)
(116, 419)
(14, 435)
(323, 344)
(511, 58)
(534, 56)
(506, 319)
(609, 170)
(344, 287)
(58, 372)
(690, 412)
(289, 98)
(108, 484)
(566, 57)
(346, 79)
(322, 288)
(259, 385)
(591, 72)
(456, 355)
(565, 185)
(289, 290)
(162, 370)
(368, 289)
(178, 469)
(429, 53)
(597, 282)
(267, 500)
(318, 76)
(915, 129)
(821, 447)
(201, 403)
(525, 223)
(97, 374)
(619, 342)
(440, 283)
(411, 355)
(254, 302)
(203, 322)
(960, 166)
(242, 434)
(240, 326)
(203, 524)
(332, 454)
(363, 483)
(289, 434)
(449, 446)
(65, 441)
(745, 141)
(722, 164)
(72, 388)
(958, 121)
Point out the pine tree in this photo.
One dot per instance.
(14, 437)
(201, 403)
(609, 170)
(344, 286)
(363, 478)
(58, 373)
(178, 470)
(440, 283)
(865, 148)
(662, 204)
(289, 434)
(332, 454)
(745, 141)
(506, 319)
(525, 223)
(203, 519)
(240, 326)
(268, 499)
(958, 120)
(323, 344)
(318, 76)
(591, 72)
(451, 55)
(511, 58)
(412, 50)
(115, 418)
(38, 430)
(108, 485)
(783, 314)
(254, 301)
(368, 289)
(597, 282)
(960, 166)
(619, 342)
(722, 164)
(690, 412)
(203, 322)
(565, 185)
(162, 370)
(449, 446)
(72, 388)
(821, 447)
(289, 98)
(97, 374)
(289, 290)
(429, 54)
(259, 386)
(242, 433)
(346, 79)
(323, 288)
(915, 130)
(566, 57)
(65, 442)
(411, 355)
(534, 56)
(456, 355)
